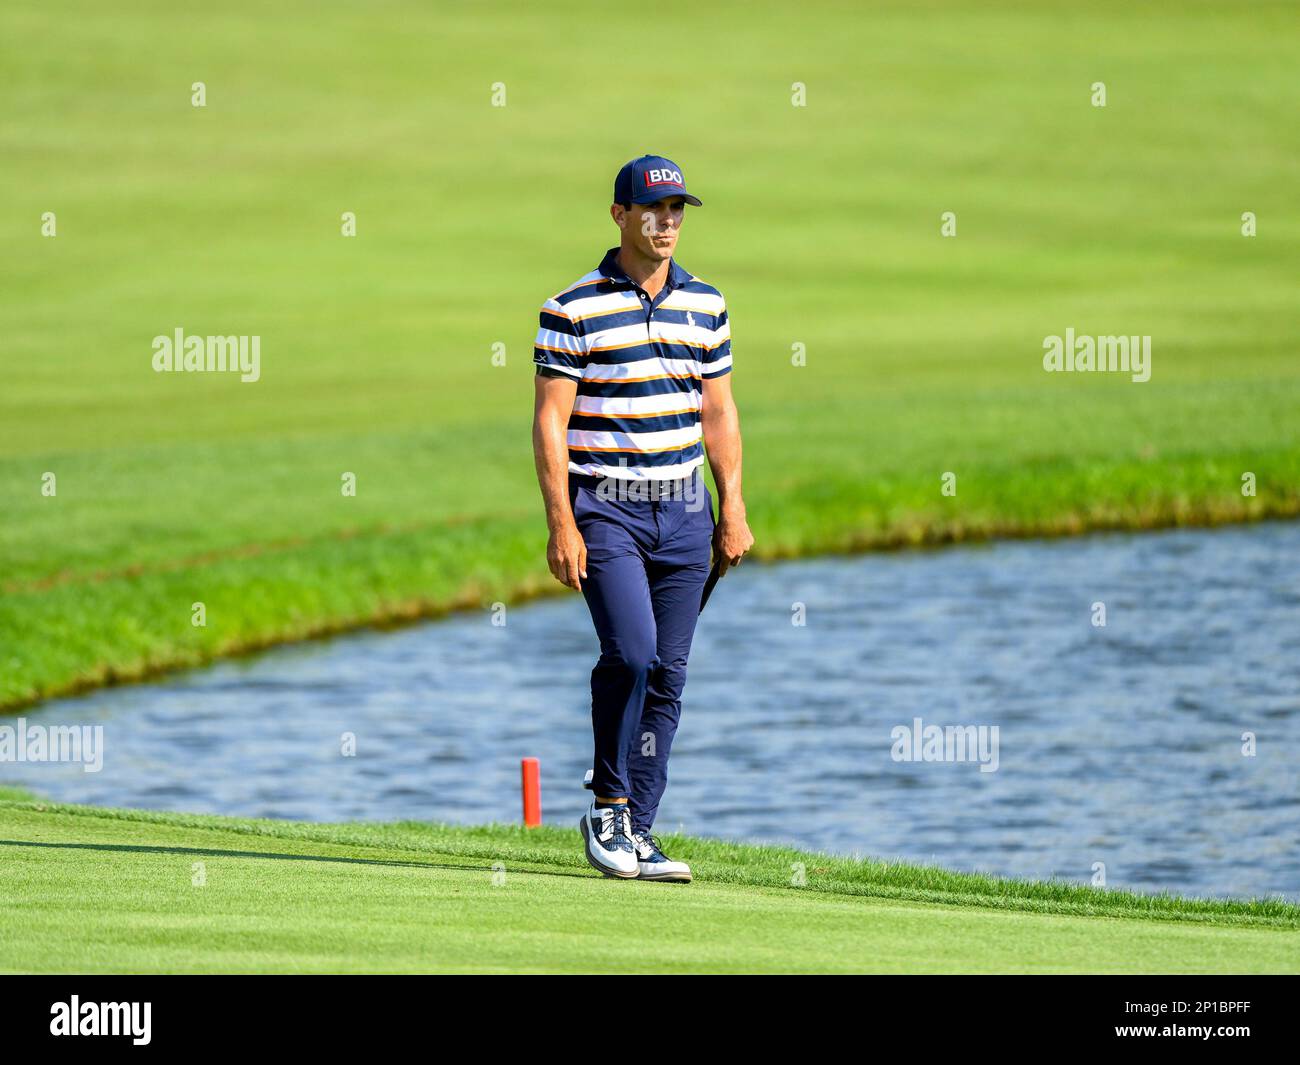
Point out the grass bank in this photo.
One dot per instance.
(199, 893)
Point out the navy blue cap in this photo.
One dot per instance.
(651, 178)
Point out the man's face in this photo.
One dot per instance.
(652, 227)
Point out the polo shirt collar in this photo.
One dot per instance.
(610, 268)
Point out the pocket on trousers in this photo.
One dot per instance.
(706, 506)
(576, 501)
(698, 526)
(597, 521)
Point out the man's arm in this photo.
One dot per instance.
(566, 553)
(720, 422)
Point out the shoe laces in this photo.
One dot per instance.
(615, 825)
(645, 841)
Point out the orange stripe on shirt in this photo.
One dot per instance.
(648, 414)
(652, 377)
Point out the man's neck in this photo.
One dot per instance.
(650, 274)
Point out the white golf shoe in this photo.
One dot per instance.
(654, 864)
(607, 835)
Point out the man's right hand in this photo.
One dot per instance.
(566, 554)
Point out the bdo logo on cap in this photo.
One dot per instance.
(663, 177)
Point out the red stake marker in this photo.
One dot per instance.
(532, 781)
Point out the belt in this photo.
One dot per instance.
(637, 488)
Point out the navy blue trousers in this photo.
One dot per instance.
(647, 561)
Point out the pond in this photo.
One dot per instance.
(1164, 744)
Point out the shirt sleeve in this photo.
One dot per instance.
(717, 360)
(559, 350)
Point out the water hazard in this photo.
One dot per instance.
(1120, 744)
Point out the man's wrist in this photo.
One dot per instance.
(560, 523)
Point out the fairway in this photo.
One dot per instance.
(922, 353)
(916, 211)
(285, 897)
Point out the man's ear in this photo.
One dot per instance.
(619, 215)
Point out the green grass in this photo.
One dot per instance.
(411, 897)
(822, 228)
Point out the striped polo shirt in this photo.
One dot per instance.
(639, 363)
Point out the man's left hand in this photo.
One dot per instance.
(731, 539)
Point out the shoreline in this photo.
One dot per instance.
(412, 611)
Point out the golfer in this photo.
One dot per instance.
(632, 388)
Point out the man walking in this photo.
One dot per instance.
(632, 388)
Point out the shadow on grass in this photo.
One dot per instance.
(213, 852)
